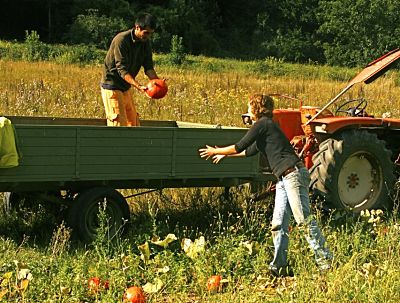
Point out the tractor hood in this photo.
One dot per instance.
(377, 68)
(370, 73)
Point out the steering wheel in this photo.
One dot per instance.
(353, 111)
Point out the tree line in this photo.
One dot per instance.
(335, 32)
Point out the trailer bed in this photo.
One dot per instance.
(73, 154)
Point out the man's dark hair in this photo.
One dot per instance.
(146, 20)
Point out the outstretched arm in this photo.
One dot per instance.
(218, 153)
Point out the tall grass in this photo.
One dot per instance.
(41, 263)
(197, 94)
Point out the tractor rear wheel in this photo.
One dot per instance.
(353, 171)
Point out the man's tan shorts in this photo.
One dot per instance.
(120, 108)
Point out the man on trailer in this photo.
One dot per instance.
(128, 52)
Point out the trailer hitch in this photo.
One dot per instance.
(143, 193)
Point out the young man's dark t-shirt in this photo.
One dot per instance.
(125, 55)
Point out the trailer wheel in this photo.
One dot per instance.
(353, 171)
(83, 215)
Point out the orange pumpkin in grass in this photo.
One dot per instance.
(134, 294)
(214, 283)
(106, 284)
(95, 284)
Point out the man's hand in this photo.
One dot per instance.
(143, 89)
(131, 80)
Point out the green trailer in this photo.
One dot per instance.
(81, 162)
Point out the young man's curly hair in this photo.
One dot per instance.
(261, 105)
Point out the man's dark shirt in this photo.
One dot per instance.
(125, 55)
(267, 137)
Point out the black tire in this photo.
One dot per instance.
(353, 171)
(83, 214)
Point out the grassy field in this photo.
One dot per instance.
(207, 90)
(208, 235)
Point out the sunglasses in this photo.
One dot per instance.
(246, 118)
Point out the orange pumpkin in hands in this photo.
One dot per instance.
(134, 294)
(157, 89)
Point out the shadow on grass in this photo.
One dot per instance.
(184, 212)
(194, 212)
(34, 227)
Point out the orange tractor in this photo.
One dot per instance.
(353, 157)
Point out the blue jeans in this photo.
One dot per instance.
(292, 197)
